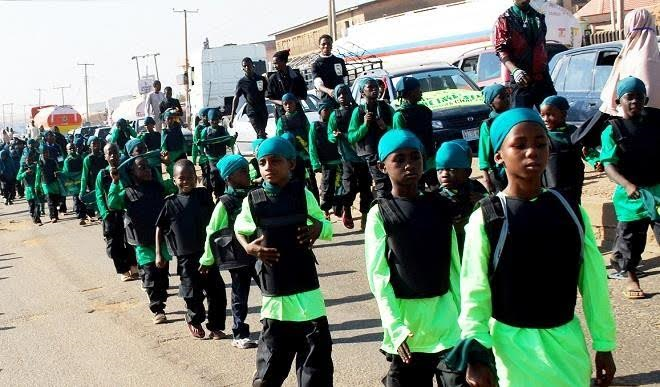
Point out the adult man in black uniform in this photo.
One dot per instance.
(170, 103)
(253, 87)
(328, 71)
(284, 80)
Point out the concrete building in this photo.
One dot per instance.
(597, 13)
(303, 38)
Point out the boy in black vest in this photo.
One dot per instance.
(27, 174)
(73, 166)
(142, 202)
(415, 284)
(286, 220)
(182, 223)
(454, 164)
(122, 255)
(417, 118)
(150, 136)
(368, 124)
(222, 247)
(565, 170)
(325, 158)
(629, 147)
(497, 98)
(214, 152)
(92, 164)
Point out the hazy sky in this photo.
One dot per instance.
(43, 40)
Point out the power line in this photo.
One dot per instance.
(86, 91)
(61, 88)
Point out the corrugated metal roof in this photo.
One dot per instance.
(599, 7)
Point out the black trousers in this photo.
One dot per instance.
(121, 253)
(532, 95)
(382, 183)
(420, 372)
(630, 242)
(329, 184)
(302, 169)
(357, 179)
(194, 287)
(217, 184)
(62, 204)
(155, 282)
(79, 207)
(206, 176)
(308, 342)
(8, 189)
(34, 210)
(259, 125)
(20, 189)
(54, 200)
(241, 279)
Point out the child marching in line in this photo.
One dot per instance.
(27, 174)
(454, 164)
(286, 220)
(93, 163)
(198, 155)
(294, 121)
(368, 124)
(73, 166)
(141, 203)
(415, 284)
(7, 177)
(255, 175)
(222, 249)
(214, 152)
(121, 133)
(150, 137)
(182, 223)
(629, 146)
(497, 98)
(509, 302)
(325, 158)
(122, 255)
(417, 118)
(355, 171)
(565, 170)
(47, 177)
(172, 142)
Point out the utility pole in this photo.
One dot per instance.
(137, 66)
(156, 63)
(186, 78)
(619, 18)
(40, 90)
(86, 91)
(61, 88)
(4, 122)
(332, 22)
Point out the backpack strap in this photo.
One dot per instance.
(256, 197)
(230, 203)
(493, 210)
(577, 218)
(389, 211)
(619, 131)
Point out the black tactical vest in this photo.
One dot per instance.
(368, 145)
(297, 125)
(151, 140)
(75, 164)
(418, 120)
(96, 164)
(418, 245)
(325, 150)
(29, 177)
(227, 251)
(278, 219)
(638, 145)
(189, 215)
(174, 139)
(122, 139)
(48, 169)
(143, 205)
(533, 239)
(343, 118)
(216, 150)
(565, 167)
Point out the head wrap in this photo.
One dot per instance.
(131, 145)
(31, 142)
(169, 113)
(363, 82)
(149, 121)
(121, 123)
(559, 102)
(277, 146)
(630, 85)
(213, 114)
(203, 112)
(91, 139)
(256, 143)
(230, 164)
(491, 92)
(289, 97)
(289, 137)
(79, 142)
(395, 139)
(340, 88)
(507, 120)
(453, 154)
(326, 105)
(407, 84)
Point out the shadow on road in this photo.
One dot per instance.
(647, 378)
(5, 254)
(344, 243)
(13, 213)
(365, 338)
(5, 267)
(9, 259)
(348, 299)
(6, 328)
(347, 233)
(334, 273)
(355, 324)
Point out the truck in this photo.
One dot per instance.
(220, 70)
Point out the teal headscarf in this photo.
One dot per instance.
(132, 144)
(395, 139)
(213, 114)
(454, 154)
(560, 103)
(256, 143)
(203, 112)
(339, 89)
(289, 97)
(230, 164)
(277, 146)
(91, 139)
(507, 120)
(491, 91)
(326, 105)
(363, 82)
(169, 113)
(630, 85)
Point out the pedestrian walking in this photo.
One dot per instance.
(496, 97)
(152, 105)
(252, 87)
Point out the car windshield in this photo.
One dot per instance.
(445, 88)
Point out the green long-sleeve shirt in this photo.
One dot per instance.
(197, 154)
(86, 175)
(432, 321)
(626, 209)
(101, 203)
(560, 356)
(486, 154)
(23, 175)
(358, 127)
(114, 134)
(313, 150)
(346, 150)
(47, 188)
(301, 135)
(399, 122)
(304, 306)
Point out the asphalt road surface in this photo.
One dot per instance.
(66, 319)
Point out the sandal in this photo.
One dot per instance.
(634, 294)
(347, 219)
(619, 275)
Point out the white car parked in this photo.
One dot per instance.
(246, 133)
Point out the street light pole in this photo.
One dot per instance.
(86, 91)
(186, 78)
(332, 23)
(156, 63)
(137, 66)
(61, 88)
(40, 90)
